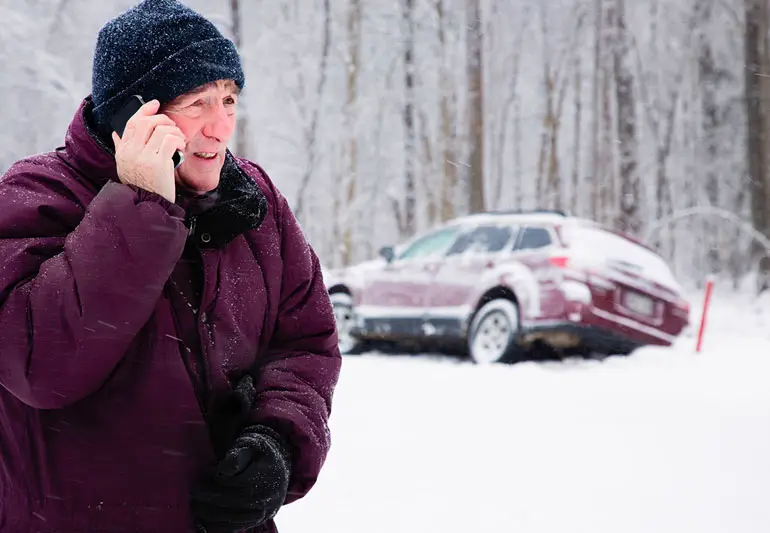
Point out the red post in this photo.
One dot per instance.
(706, 301)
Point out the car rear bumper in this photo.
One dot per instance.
(569, 336)
(598, 329)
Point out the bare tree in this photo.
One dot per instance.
(353, 66)
(432, 197)
(312, 131)
(603, 130)
(596, 108)
(548, 190)
(578, 124)
(629, 219)
(556, 71)
(503, 96)
(448, 136)
(608, 199)
(660, 122)
(408, 219)
(474, 69)
(758, 113)
(242, 140)
(708, 80)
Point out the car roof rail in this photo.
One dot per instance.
(527, 212)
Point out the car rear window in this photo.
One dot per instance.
(595, 245)
(532, 238)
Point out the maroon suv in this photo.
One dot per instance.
(499, 283)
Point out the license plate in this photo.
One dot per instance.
(639, 303)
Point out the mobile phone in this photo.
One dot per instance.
(128, 110)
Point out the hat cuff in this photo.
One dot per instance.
(195, 65)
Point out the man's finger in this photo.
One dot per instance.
(160, 134)
(148, 109)
(247, 476)
(146, 126)
(170, 144)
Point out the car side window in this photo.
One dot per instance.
(482, 239)
(531, 238)
(432, 244)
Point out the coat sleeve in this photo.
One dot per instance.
(76, 285)
(296, 384)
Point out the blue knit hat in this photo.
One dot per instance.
(159, 49)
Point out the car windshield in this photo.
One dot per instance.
(432, 244)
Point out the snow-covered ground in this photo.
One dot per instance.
(664, 441)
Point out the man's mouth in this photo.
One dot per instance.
(205, 155)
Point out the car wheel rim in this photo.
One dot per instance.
(343, 314)
(492, 338)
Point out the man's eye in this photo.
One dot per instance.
(229, 100)
(197, 103)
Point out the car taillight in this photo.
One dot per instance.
(559, 261)
(683, 304)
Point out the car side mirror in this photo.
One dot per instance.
(388, 253)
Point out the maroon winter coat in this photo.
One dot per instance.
(105, 390)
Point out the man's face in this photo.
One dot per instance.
(206, 116)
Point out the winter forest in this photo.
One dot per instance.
(381, 118)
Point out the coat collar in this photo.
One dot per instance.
(88, 153)
(241, 206)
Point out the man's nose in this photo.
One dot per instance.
(217, 123)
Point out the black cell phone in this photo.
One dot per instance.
(128, 110)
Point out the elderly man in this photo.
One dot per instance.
(168, 352)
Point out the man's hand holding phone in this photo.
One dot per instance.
(144, 153)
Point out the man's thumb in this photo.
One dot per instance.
(235, 462)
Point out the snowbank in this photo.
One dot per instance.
(662, 441)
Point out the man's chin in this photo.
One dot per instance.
(198, 185)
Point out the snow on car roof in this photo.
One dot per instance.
(522, 218)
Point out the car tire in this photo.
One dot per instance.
(492, 333)
(344, 315)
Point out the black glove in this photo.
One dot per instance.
(248, 486)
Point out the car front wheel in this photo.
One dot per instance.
(344, 315)
(492, 334)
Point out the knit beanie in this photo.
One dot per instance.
(159, 49)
